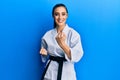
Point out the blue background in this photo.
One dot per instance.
(23, 23)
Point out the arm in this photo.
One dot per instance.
(43, 51)
(60, 38)
(74, 51)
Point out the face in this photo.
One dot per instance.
(60, 16)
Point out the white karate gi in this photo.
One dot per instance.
(50, 44)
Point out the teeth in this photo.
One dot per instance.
(60, 21)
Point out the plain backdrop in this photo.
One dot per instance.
(24, 22)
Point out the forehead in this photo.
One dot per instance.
(60, 9)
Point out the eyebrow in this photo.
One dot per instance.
(59, 12)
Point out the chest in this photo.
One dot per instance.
(52, 45)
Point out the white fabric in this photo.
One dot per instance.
(50, 44)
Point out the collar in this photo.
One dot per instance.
(64, 30)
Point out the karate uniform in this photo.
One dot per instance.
(50, 44)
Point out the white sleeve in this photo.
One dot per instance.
(76, 48)
(44, 45)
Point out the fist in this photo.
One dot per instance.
(43, 51)
(60, 38)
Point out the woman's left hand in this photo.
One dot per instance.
(60, 38)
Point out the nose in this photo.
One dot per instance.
(60, 16)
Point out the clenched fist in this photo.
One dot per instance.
(60, 38)
(43, 51)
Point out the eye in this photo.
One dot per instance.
(63, 14)
(56, 14)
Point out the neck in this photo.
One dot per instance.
(60, 28)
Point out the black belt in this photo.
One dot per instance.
(60, 62)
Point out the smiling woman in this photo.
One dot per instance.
(63, 46)
(60, 15)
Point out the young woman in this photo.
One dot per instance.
(63, 46)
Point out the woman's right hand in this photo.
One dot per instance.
(43, 51)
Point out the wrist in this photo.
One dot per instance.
(62, 44)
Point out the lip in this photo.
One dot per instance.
(60, 21)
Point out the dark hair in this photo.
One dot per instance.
(58, 5)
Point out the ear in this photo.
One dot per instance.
(67, 15)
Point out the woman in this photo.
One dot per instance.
(63, 45)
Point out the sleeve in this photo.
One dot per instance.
(75, 47)
(44, 45)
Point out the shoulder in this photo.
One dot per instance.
(73, 32)
(74, 35)
(48, 33)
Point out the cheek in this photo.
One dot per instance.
(65, 17)
(55, 18)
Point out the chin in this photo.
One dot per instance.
(61, 24)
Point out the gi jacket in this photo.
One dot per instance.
(50, 44)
